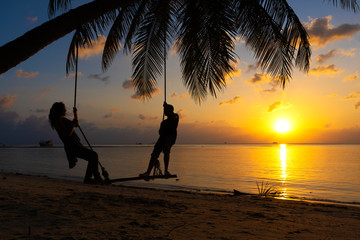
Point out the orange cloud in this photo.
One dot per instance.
(138, 96)
(182, 96)
(32, 19)
(181, 113)
(71, 75)
(96, 48)
(111, 113)
(321, 58)
(234, 100)
(235, 73)
(21, 74)
(259, 78)
(43, 93)
(350, 52)
(357, 105)
(7, 101)
(321, 32)
(326, 69)
(278, 105)
(128, 84)
(145, 118)
(352, 95)
(351, 77)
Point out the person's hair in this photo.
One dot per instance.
(56, 111)
(170, 107)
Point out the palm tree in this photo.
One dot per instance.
(203, 31)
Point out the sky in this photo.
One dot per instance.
(321, 106)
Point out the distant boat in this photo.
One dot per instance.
(47, 143)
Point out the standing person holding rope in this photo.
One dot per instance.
(167, 138)
(72, 145)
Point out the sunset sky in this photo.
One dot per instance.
(322, 106)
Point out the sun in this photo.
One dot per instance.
(282, 126)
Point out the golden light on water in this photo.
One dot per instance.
(282, 126)
(283, 168)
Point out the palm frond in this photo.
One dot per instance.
(346, 4)
(150, 46)
(206, 47)
(124, 27)
(85, 35)
(56, 5)
(276, 35)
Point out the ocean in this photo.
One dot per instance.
(316, 172)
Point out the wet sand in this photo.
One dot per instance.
(38, 207)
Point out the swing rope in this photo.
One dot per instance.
(103, 171)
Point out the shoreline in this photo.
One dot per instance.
(200, 190)
(40, 207)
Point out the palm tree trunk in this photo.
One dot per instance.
(36, 39)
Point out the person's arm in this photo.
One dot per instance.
(65, 126)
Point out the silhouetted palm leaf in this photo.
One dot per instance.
(204, 32)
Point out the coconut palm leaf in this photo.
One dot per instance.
(205, 44)
(123, 30)
(346, 4)
(150, 46)
(85, 35)
(273, 32)
(56, 5)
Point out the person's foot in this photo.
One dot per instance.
(89, 181)
(167, 173)
(99, 180)
(145, 176)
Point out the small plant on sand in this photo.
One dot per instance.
(266, 190)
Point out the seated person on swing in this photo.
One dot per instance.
(168, 134)
(73, 148)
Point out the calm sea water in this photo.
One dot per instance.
(323, 172)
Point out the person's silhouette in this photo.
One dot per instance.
(72, 145)
(167, 138)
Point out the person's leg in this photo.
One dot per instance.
(92, 158)
(166, 161)
(154, 156)
(168, 143)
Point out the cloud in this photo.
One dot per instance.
(259, 78)
(234, 100)
(28, 131)
(278, 105)
(321, 58)
(145, 118)
(235, 73)
(7, 101)
(128, 84)
(352, 95)
(321, 32)
(21, 74)
(182, 96)
(31, 19)
(351, 77)
(44, 92)
(326, 69)
(357, 105)
(251, 67)
(350, 52)
(96, 48)
(181, 113)
(72, 75)
(111, 113)
(40, 110)
(138, 96)
(99, 77)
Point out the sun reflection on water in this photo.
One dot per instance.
(283, 170)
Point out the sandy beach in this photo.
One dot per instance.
(39, 207)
